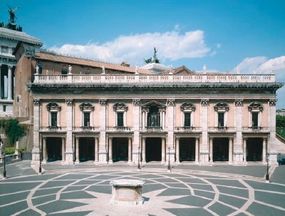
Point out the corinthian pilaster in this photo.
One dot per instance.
(69, 143)
(204, 146)
(102, 139)
(36, 139)
(136, 127)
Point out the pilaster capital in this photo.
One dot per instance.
(272, 102)
(36, 101)
(103, 101)
(239, 102)
(145, 109)
(170, 102)
(204, 102)
(69, 102)
(136, 102)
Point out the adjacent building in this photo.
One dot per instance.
(91, 111)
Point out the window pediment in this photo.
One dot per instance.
(154, 103)
(221, 107)
(53, 107)
(187, 107)
(255, 107)
(120, 107)
(86, 107)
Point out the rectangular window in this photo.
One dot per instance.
(53, 119)
(4, 49)
(221, 119)
(187, 119)
(86, 121)
(4, 108)
(254, 116)
(120, 119)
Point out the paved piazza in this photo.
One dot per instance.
(89, 193)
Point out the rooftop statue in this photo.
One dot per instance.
(12, 15)
(153, 59)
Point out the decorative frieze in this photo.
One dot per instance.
(187, 107)
(255, 106)
(204, 102)
(221, 107)
(238, 102)
(272, 102)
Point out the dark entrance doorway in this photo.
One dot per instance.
(120, 149)
(187, 149)
(220, 149)
(254, 149)
(54, 148)
(86, 149)
(153, 149)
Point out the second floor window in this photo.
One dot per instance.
(254, 116)
(53, 119)
(221, 119)
(187, 119)
(86, 119)
(120, 119)
(153, 117)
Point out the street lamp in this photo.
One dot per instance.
(4, 166)
(40, 164)
(168, 166)
(3, 156)
(139, 154)
(267, 168)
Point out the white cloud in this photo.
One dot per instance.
(171, 46)
(261, 64)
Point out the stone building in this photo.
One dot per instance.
(85, 110)
(10, 35)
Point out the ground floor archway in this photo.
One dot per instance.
(254, 149)
(153, 149)
(119, 149)
(54, 148)
(220, 149)
(86, 149)
(186, 149)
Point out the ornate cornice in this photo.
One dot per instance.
(239, 102)
(255, 106)
(120, 107)
(204, 102)
(187, 107)
(221, 107)
(272, 102)
(86, 107)
(53, 107)
(103, 101)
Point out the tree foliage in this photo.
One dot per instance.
(280, 125)
(12, 129)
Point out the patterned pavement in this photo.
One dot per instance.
(176, 193)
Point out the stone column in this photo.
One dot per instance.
(170, 126)
(237, 147)
(143, 150)
(63, 149)
(264, 151)
(9, 86)
(0, 82)
(36, 136)
(69, 124)
(136, 127)
(177, 151)
(230, 150)
(211, 150)
(110, 157)
(163, 150)
(96, 150)
(44, 150)
(197, 150)
(204, 147)
(102, 139)
(272, 151)
(129, 150)
(244, 151)
(77, 149)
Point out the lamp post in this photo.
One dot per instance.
(267, 168)
(4, 166)
(3, 156)
(40, 162)
(139, 155)
(168, 166)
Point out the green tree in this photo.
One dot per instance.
(280, 125)
(12, 129)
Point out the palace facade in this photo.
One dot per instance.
(85, 110)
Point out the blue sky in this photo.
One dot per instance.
(224, 35)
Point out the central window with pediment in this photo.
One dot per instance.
(153, 118)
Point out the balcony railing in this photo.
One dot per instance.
(85, 128)
(221, 129)
(187, 129)
(152, 129)
(119, 128)
(255, 129)
(53, 129)
(197, 78)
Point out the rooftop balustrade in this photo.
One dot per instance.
(121, 79)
